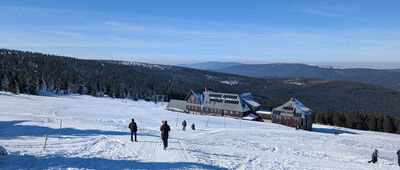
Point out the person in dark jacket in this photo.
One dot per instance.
(184, 125)
(164, 131)
(193, 127)
(398, 156)
(374, 157)
(133, 127)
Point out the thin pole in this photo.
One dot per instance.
(208, 118)
(59, 134)
(177, 114)
(45, 141)
(224, 122)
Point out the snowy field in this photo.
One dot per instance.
(95, 136)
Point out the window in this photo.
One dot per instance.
(231, 101)
(288, 108)
(215, 95)
(230, 97)
(216, 100)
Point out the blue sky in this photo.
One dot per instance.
(331, 32)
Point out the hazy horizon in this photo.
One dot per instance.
(371, 65)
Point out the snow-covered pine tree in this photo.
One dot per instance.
(13, 87)
(42, 87)
(50, 87)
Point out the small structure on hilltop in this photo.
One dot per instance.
(216, 104)
(293, 113)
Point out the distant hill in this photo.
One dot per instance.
(210, 65)
(36, 73)
(389, 78)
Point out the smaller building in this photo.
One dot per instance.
(293, 113)
(176, 105)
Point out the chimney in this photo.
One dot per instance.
(205, 89)
(292, 99)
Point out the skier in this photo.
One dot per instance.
(184, 125)
(193, 127)
(398, 156)
(374, 157)
(164, 130)
(133, 127)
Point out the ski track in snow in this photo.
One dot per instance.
(95, 136)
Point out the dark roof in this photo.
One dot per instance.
(225, 101)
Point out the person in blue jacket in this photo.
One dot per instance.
(398, 156)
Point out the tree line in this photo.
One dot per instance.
(361, 121)
(41, 74)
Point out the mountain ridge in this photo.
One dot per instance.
(389, 78)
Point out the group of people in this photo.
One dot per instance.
(184, 126)
(375, 157)
(164, 130)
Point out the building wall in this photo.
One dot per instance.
(264, 116)
(287, 120)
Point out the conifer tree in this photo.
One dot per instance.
(372, 122)
(388, 124)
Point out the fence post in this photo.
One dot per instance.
(45, 141)
(224, 121)
(59, 134)
(177, 114)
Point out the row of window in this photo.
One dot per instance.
(215, 95)
(277, 112)
(288, 108)
(212, 110)
(230, 97)
(216, 100)
(231, 101)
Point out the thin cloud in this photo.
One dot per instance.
(64, 33)
(36, 10)
(319, 12)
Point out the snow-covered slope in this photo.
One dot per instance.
(95, 136)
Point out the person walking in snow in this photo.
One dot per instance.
(374, 157)
(193, 127)
(164, 131)
(184, 125)
(133, 127)
(398, 156)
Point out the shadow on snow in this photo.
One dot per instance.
(12, 129)
(331, 131)
(59, 162)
